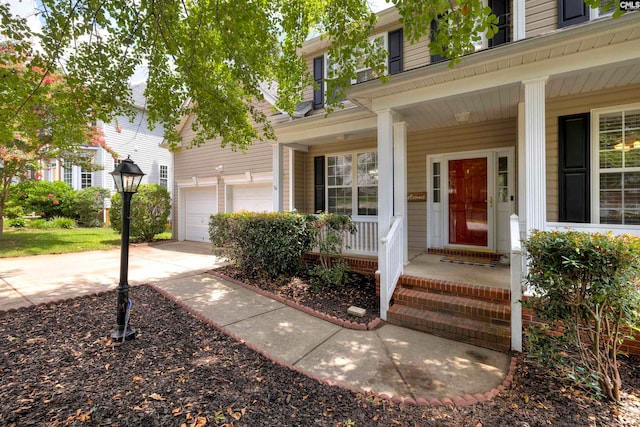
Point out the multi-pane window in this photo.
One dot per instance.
(503, 180)
(164, 175)
(619, 164)
(436, 182)
(67, 173)
(340, 184)
(367, 183)
(364, 73)
(86, 178)
(344, 180)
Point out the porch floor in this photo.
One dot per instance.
(429, 266)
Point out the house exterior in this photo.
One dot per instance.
(126, 138)
(543, 122)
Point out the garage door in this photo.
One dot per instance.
(250, 197)
(200, 204)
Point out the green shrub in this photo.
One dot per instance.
(588, 296)
(329, 237)
(90, 206)
(47, 199)
(12, 211)
(61, 222)
(150, 208)
(272, 244)
(17, 222)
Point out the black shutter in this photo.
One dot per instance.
(318, 184)
(571, 12)
(318, 78)
(434, 30)
(395, 41)
(574, 162)
(500, 8)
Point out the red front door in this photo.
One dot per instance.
(468, 221)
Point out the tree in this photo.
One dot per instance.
(41, 115)
(208, 58)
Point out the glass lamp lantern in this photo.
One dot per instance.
(127, 176)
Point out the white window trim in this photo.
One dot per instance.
(595, 162)
(596, 13)
(354, 181)
(166, 178)
(385, 46)
(327, 61)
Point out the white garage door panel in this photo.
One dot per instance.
(251, 197)
(200, 204)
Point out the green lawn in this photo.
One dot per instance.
(22, 242)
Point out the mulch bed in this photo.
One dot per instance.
(58, 368)
(359, 290)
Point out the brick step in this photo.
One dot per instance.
(452, 327)
(485, 293)
(494, 313)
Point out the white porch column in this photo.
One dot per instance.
(292, 188)
(535, 162)
(277, 178)
(385, 171)
(400, 180)
(522, 168)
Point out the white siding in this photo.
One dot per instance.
(134, 139)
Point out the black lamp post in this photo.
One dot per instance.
(127, 177)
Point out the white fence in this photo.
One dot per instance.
(391, 263)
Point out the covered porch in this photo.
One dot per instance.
(512, 96)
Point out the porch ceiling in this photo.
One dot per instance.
(502, 102)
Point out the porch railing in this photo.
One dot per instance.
(365, 240)
(391, 263)
(517, 269)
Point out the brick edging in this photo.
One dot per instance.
(375, 323)
(457, 401)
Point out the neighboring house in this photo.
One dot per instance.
(126, 138)
(542, 121)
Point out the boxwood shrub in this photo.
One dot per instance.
(150, 208)
(262, 243)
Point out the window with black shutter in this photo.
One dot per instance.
(318, 78)
(395, 42)
(434, 30)
(500, 8)
(571, 12)
(574, 170)
(318, 184)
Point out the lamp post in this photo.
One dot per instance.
(127, 177)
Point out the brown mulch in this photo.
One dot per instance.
(58, 368)
(359, 290)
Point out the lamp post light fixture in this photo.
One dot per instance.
(127, 177)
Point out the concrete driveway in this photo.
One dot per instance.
(42, 278)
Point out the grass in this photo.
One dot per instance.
(24, 242)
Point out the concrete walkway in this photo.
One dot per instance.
(390, 360)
